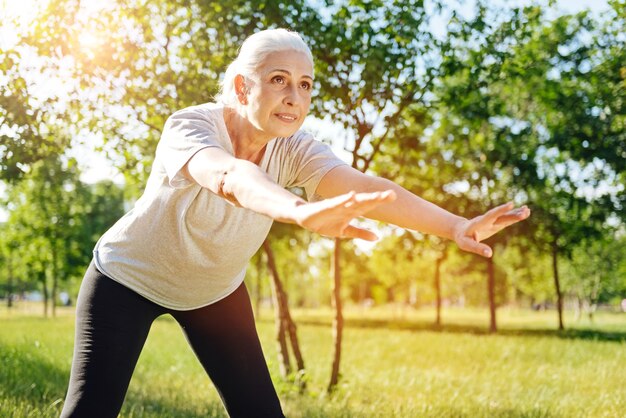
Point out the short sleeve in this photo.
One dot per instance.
(185, 133)
(308, 161)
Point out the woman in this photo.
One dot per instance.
(217, 183)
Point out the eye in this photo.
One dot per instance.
(278, 79)
(305, 85)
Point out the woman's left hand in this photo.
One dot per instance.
(469, 233)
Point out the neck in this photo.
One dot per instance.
(248, 142)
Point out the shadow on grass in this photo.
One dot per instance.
(28, 377)
(137, 405)
(397, 324)
(29, 383)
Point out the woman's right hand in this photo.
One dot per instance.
(332, 217)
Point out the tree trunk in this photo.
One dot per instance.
(579, 308)
(284, 319)
(44, 286)
(338, 320)
(55, 273)
(491, 287)
(279, 315)
(362, 292)
(295, 348)
(283, 349)
(10, 284)
(557, 284)
(593, 300)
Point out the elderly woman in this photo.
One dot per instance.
(217, 184)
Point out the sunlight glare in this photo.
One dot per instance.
(22, 10)
(17, 14)
(90, 40)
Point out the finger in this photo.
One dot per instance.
(337, 201)
(472, 246)
(352, 231)
(498, 211)
(513, 216)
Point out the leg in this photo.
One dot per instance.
(224, 338)
(112, 324)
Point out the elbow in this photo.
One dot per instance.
(225, 187)
(230, 182)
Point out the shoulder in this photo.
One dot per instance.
(206, 111)
(201, 124)
(302, 146)
(298, 141)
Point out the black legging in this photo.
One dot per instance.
(112, 324)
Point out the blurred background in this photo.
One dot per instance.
(467, 104)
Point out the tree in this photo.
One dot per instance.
(55, 221)
(8, 252)
(524, 85)
(373, 61)
(42, 209)
(526, 267)
(582, 118)
(395, 265)
(596, 272)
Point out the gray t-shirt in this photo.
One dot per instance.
(184, 247)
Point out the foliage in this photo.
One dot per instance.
(374, 59)
(29, 130)
(43, 209)
(399, 268)
(302, 262)
(596, 272)
(54, 221)
(145, 60)
(528, 271)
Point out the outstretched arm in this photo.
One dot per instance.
(244, 184)
(412, 212)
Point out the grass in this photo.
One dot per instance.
(402, 367)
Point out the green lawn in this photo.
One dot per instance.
(391, 368)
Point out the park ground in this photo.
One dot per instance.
(392, 366)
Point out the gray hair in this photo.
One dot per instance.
(252, 52)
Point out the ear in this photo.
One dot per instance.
(241, 90)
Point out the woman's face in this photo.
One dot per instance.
(280, 95)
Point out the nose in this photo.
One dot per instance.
(292, 96)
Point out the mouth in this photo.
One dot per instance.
(287, 117)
